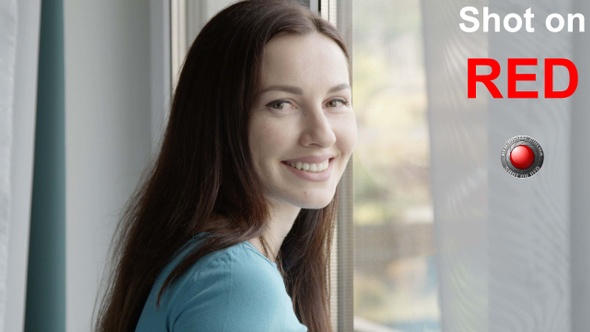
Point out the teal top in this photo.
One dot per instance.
(234, 289)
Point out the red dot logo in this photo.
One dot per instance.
(522, 156)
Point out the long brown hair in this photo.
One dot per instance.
(204, 172)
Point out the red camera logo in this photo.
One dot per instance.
(522, 156)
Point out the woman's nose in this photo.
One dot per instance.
(317, 129)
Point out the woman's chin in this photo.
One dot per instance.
(318, 202)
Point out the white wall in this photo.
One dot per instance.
(108, 134)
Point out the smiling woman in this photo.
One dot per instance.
(231, 229)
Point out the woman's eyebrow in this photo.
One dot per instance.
(286, 88)
(298, 91)
(339, 87)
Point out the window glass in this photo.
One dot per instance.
(394, 272)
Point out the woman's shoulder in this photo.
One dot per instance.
(229, 289)
(239, 268)
(241, 258)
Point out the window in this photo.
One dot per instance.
(394, 269)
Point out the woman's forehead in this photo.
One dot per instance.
(300, 58)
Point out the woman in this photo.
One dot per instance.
(231, 229)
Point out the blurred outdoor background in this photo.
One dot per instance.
(395, 272)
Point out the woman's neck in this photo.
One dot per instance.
(281, 219)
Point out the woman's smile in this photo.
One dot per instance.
(315, 172)
(311, 168)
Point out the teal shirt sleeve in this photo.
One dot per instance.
(235, 289)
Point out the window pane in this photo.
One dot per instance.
(395, 272)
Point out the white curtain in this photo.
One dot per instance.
(458, 131)
(510, 254)
(19, 40)
(7, 75)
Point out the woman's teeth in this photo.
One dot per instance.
(312, 168)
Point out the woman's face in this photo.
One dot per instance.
(303, 129)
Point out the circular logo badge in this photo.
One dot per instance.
(522, 156)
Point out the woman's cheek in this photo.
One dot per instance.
(347, 133)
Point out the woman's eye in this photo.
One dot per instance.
(336, 103)
(281, 105)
